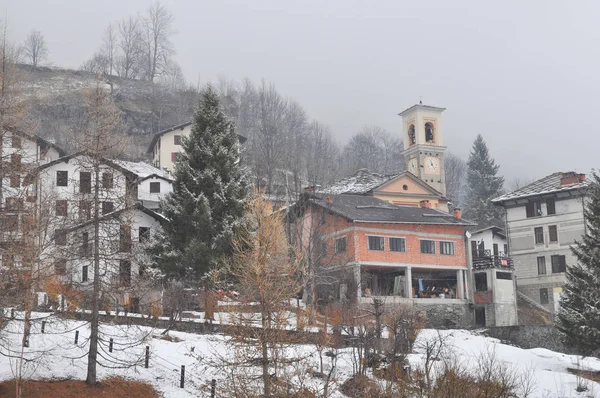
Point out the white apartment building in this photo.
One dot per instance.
(543, 220)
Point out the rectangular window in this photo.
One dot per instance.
(85, 182)
(541, 264)
(481, 282)
(125, 239)
(550, 207)
(559, 263)
(397, 244)
(495, 247)
(474, 251)
(340, 245)
(60, 238)
(62, 178)
(108, 207)
(125, 272)
(376, 243)
(84, 273)
(15, 181)
(15, 159)
(61, 208)
(177, 139)
(539, 235)
(504, 275)
(544, 296)
(85, 245)
(85, 210)
(107, 180)
(428, 246)
(533, 209)
(552, 233)
(143, 234)
(447, 248)
(16, 142)
(155, 187)
(60, 266)
(506, 249)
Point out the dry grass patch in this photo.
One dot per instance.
(113, 387)
(166, 337)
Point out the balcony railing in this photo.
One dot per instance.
(488, 261)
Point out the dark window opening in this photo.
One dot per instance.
(15, 159)
(428, 246)
(177, 139)
(559, 263)
(61, 208)
(429, 136)
(85, 182)
(376, 243)
(155, 187)
(397, 244)
(552, 233)
(412, 136)
(481, 282)
(125, 272)
(15, 181)
(544, 296)
(125, 239)
(84, 273)
(541, 265)
(85, 210)
(480, 316)
(60, 238)
(550, 207)
(143, 234)
(504, 275)
(62, 178)
(107, 180)
(85, 245)
(16, 142)
(539, 235)
(108, 207)
(340, 245)
(60, 266)
(533, 209)
(495, 248)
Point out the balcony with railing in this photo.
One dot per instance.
(487, 260)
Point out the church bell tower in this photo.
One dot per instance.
(424, 144)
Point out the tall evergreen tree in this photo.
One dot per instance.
(207, 204)
(483, 185)
(579, 312)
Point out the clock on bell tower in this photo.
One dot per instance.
(424, 145)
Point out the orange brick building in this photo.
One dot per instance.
(375, 248)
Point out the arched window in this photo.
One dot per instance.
(429, 137)
(412, 136)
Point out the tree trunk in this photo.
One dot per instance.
(265, 357)
(93, 353)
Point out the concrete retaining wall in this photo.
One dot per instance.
(530, 337)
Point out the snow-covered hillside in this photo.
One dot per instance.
(57, 356)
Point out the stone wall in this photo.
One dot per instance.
(530, 337)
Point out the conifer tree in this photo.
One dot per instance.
(483, 185)
(207, 204)
(579, 312)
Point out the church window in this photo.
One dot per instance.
(429, 132)
(412, 136)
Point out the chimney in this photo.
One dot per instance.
(570, 178)
(425, 204)
(329, 201)
(457, 213)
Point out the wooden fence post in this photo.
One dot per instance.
(213, 388)
(110, 345)
(43, 327)
(182, 382)
(76, 336)
(147, 357)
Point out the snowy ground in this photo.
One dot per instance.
(57, 356)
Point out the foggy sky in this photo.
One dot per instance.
(521, 73)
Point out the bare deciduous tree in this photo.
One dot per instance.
(35, 48)
(456, 176)
(157, 29)
(130, 46)
(374, 149)
(109, 47)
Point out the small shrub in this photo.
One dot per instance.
(361, 387)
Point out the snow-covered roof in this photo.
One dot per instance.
(143, 170)
(360, 183)
(545, 186)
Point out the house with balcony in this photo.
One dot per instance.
(543, 220)
(363, 247)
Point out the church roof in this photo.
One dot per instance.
(360, 208)
(421, 106)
